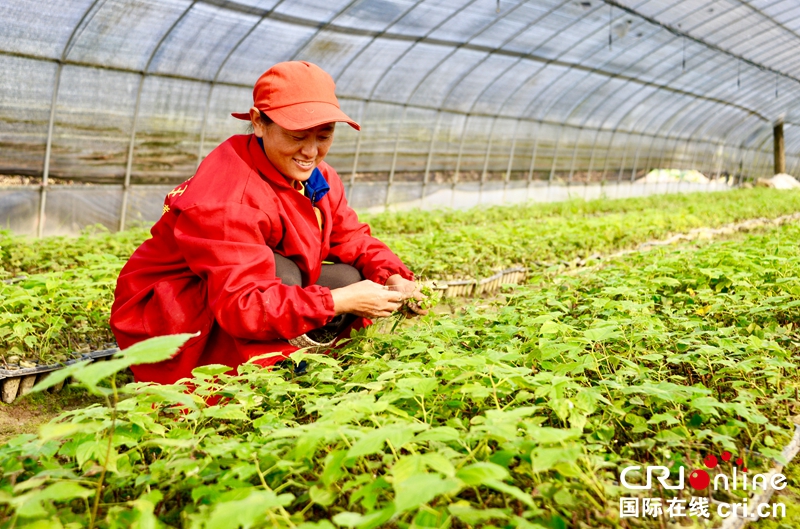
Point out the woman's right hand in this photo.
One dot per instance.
(366, 299)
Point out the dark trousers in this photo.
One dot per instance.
(333, 276)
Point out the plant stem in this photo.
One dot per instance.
(98, 494)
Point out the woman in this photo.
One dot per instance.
(238, 252)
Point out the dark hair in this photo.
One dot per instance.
(264, 119)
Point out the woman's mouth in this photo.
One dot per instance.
(304, 165)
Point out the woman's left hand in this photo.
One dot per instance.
(409, 289)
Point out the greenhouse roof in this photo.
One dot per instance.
(160, 77)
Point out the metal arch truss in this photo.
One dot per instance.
(733, 140)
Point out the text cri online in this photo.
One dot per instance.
(699, 506)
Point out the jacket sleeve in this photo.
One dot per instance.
(353, 244)
(226, 245)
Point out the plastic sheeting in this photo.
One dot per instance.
(69, 209)
(447, 91)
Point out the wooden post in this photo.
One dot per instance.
(780, 149)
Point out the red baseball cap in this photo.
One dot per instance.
(297, 95)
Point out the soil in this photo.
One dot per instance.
(22, 180)
(27, 413)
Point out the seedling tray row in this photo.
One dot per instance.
(15, 383)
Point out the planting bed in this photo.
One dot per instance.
(58, 316)
(519, 415)
(59, 290)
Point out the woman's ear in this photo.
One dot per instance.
(258, 125)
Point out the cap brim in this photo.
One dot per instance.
(241, 115)
(304, 116)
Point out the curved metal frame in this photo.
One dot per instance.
(219, 71)
(592, 71)
(486, 88)
(129, 165)
(446, 97)
(723, 137)
(648, 125)
(677, 113)
(703, 102)
(621, 119)
(555, 101)
(40, 219)
(363, 112)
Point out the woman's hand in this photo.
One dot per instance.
(367, 299)
(409, 290)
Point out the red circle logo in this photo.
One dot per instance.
(699, 479)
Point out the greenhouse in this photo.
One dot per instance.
(454, 97)
(326, 264)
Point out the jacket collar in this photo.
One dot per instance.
(316, 186)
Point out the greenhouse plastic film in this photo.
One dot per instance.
(18, 210)
(69, 209)
(599, 91)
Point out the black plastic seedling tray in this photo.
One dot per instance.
(15, 383)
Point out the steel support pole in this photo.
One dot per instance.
(608, 155)
(636, 159)
(362, 112)
(574, 156)
(533, 163)
(426, 177)
(458, 160)
(212, 84)
(553, 167)
(485, 170)
(624, 159)
(555, 159)
(647, 166)
(720, 160)
(40, 220)
(394, 158)
(461, 148)
(507, 177)
(592, 158)
(123, 211)
(779, 148)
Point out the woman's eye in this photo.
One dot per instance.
(298, 138)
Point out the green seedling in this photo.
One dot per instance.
(517, 415)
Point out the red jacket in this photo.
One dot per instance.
(209, 266)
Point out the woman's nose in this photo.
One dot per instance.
(309, 148)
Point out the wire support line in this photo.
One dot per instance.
(487, 49)
(242, 8)
(678, 32)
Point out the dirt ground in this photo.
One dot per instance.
(26, 413)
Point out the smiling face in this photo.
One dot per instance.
(294, 153)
